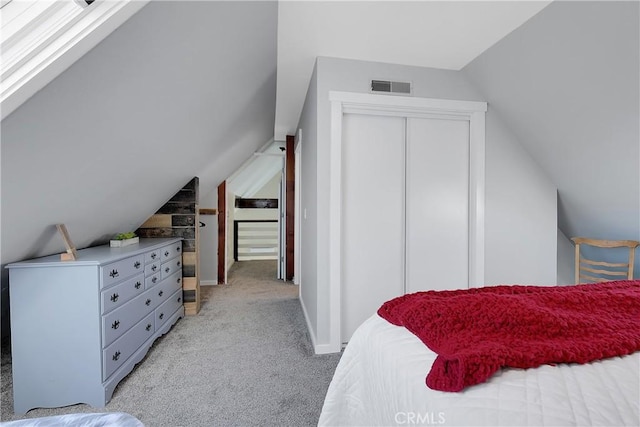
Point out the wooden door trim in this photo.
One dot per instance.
(290, 186)
(222, 231)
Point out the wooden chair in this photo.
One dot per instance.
(601, 271)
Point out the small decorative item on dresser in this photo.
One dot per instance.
(72, 253)
(124, 239)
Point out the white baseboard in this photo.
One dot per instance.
(306, 318)
(325, 349)
(208, 282)
(317, 348)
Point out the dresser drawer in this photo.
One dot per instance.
(171, 251)
(115, 272)
(168, 287)
(152, 256)
(118, 352)
(174, 280)
(119, 294)
(170, 267)
(152, 268)
(117, 322)
(152, 280)
(167, 308)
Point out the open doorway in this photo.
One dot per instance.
(250, 234)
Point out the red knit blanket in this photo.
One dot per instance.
(475, 332)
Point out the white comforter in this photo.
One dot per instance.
(380, 380)
(108, 419)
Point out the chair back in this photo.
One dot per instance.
(590, 270)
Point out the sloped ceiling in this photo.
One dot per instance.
(182, 89)
(437, 34)
(568, 84)
(259, 170)
(188, 89)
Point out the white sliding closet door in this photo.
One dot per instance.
(373, 265)
(405, 210)
(437, 204)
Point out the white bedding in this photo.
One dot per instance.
(380, 380)
(109, 419)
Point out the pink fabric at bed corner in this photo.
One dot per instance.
(475, 332)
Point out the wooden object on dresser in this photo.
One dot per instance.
(79, 327)
(72, 252)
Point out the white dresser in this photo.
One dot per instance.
(79, 327)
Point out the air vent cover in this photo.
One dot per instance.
(390, 87)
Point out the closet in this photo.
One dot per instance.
(405, 208)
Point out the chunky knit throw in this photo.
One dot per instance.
(475, 332)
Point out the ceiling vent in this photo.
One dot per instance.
(385, 86)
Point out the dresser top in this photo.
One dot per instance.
(97, 255)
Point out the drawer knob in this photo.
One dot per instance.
(161, 316)
(116, 355)
(115, 325)
(179, 280)
(114, 273)
(115, 297)
(178, 248)
(137, 285)
(179, 299)
(148, 328)
(137, 264)
(154, 280)
(154, 267)
(166, 253)
(160, 293)
(154, 255)
(178, 264)
(166, 270)
(147, 302)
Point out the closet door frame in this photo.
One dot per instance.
(402, 106)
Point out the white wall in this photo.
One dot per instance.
(271, 189)
(521, 212)
(566, 82)
(308, 189)
(231, 216)
(566, 260)
(514, 175)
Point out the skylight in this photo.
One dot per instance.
(41, 38)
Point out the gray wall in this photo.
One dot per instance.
(566, 82)
(520, 245)
(182, 89)
(209, 241)
(308, 188)
(566, 258)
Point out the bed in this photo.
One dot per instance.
(113, 419)
(380, 380)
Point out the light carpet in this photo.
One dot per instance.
(244, 360)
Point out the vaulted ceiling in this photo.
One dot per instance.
(187, 89)
(436, 34)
